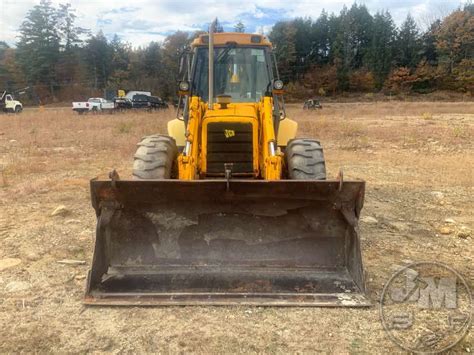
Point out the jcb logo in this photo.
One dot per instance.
(229, 133)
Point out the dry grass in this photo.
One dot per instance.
(40, 147)
(54, 144)
(48, 158)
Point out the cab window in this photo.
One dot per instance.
(240, 72)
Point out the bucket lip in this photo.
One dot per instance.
(98, 179)
(348, 194)
(136, 192)
(281, 299)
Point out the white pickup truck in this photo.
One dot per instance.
(94, 104)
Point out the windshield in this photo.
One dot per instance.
(239, 72)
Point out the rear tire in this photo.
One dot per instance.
(155, 158)
(305, 160)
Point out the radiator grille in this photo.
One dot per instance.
(229, 142)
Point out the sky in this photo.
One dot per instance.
(142, 21)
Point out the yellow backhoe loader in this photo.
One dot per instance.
(229, 207)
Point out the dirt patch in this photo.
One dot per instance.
(417, 160)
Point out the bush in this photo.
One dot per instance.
(361, 81)
(399, 81)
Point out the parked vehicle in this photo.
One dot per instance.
(312, 104)
(124, 101)
(94, 104)
(150, 102)
(9, 104)
(139, 100)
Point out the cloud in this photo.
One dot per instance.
(151, 20)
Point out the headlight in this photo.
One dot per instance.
(278, 85)
(183, 86)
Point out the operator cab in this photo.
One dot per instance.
(243, 67)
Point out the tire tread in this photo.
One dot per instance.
(305, 160)
(155, 158)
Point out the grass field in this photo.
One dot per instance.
(417, 159)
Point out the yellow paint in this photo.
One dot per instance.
(286, 131)
(223, 38)
(176, 129)
(271, 166)
(188, 165)
(259, 115)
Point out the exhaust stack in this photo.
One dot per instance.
(211, 65)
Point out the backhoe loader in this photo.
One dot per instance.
(228, 207)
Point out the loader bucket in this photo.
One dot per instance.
(219, 242)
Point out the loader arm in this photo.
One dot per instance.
(271, 161)
(188, 160)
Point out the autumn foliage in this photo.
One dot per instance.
(353, 51)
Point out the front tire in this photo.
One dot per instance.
(18, 109)
(155, 158)
(305, 160)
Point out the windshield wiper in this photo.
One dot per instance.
(225, 52)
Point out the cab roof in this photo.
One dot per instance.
(223, 38)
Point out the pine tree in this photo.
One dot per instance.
(380, 57)
(239, 27)
(408, 46)
(39, 45)
(4, 74)
(283, 39)
(428, 44)
(68, 68)
(218, 28)
(342, 49)
(120, 62)
(98, 56)
(320, 43)
(303, 44)
(360, 34)
(70, 34)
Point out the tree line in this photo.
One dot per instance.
(359, 52)
(353, 51)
